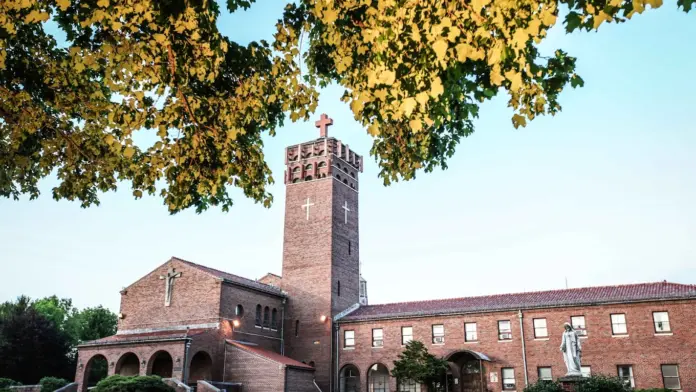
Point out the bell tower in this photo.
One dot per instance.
(321, 246)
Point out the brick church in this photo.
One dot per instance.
(311, 329)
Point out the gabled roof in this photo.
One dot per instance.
(234, 279)
(145, 337)
(270, 355)
(530, 300)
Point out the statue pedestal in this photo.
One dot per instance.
(569, 383)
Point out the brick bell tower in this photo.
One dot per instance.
(321, 245)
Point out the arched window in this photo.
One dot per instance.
(258, 315)
(409, 386)
(201, 367)
(274, 319)
(96, 370)
(338, 177)
(161, 364)
(349, 379)
(338, 288)
(345, 181)
(128, 365)
(308, 166)
(266, 317)
(352, 174)
(297, 328)
(322, 164)
(296, 169)
(308, 178)
(296, 180)
(239, 310)
(378, 378)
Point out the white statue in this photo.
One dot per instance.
(572, 350)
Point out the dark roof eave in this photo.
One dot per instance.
(135, 341)
(278, 294)
(506, 309)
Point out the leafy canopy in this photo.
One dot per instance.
(416, 364)
(414, 73)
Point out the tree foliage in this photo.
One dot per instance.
(544, 386)
(602, 383)
(117, 383)
(51, 384)
(416, 364)
(414, 73)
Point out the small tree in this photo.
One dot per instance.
(416, 364)
(119, 383)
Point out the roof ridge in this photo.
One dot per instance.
(626, 285)
(205, 267)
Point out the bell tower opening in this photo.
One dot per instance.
(321, 244)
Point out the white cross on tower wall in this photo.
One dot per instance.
(346, 210)
(307, 207)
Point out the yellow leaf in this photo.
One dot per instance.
(407, 106)
(103, 3)
(440, 48)
(518, 120)
(496, 77)
(654, 3)
(373, 130)
(387, 77)
(436, 88)
(160, 38)
(422, 98)
(548, 18)
(128, 152)
(495, 53)
(36, 16)
(515, 79)
(330, 16)
(416, 125)
(519, 40)
(463, 51)
(599, 19)
(63, 4)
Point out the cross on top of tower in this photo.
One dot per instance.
(323, 124)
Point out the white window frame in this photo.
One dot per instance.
(618, 323)
(660, 324)
(540, 331)
(438, 338)
(581, 329)
(470, 334)
(627, 378)
(502, 333)
(586, 371)
(377, 337)
(347, 338)
(404, 341)
(550, 377)
(662, 371)
(506, 386)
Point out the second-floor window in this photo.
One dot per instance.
(540, 330)
(470, 333)
(661, 320)
(348, 339)
(504, 330)
(406, 335)
(438, 334)
(618, 324)
(377, 337)
(578, 323)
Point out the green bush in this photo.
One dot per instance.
(118, 383)
(50, 384)
(6, 383)
(545, 386)
(600, 383)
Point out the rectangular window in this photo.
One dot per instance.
(586, 371)
(670, 376)
(470, 334)
(661, 320)
(408, 386)
(377, 337)
(504, 330)
(438, 334)
(350, 246)
(618, 324)
(406, 335)
(545, 374)
(626, 374)
(348, 339)
(540, 330)
(578, 323)
(508, 379)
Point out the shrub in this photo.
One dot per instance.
(600, 383)
(50, 384)
(545, 386)
(118, 383)
(6, 383)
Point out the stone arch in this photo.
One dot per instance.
(128, 365)
(349, 379)
(378, 378)
(322, 164)
(161, 364)
(468, 366)
(97, 369)
(201, 367)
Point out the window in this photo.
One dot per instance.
(470, 334)
(626, 374)
(308, 166)
(618, 324)
(586, 371)
(274, 319)
(409, 386)
(438, 334)
(258, 315)
(578, 323)
(406, 335)
(504, 331)
(545, 374)
(661, 320)
(296, 169)
(378, 378)
(670, 376)
(338, 288)
(266, 317)
(508, 379)
(377, 337)
(540, 330)
(348, 339)
(350, 246)
(297, 328)
(239, 311)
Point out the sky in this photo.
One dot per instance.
(603, 193)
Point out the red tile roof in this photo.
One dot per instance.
(275, 357)
(539, 299)
(234, 278)
(145, 337)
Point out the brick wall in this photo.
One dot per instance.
(195, 299)
(300, 380)
(601, 351)
(257, 374)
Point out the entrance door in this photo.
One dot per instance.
(471, 376)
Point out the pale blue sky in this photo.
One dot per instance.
(604, 193)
